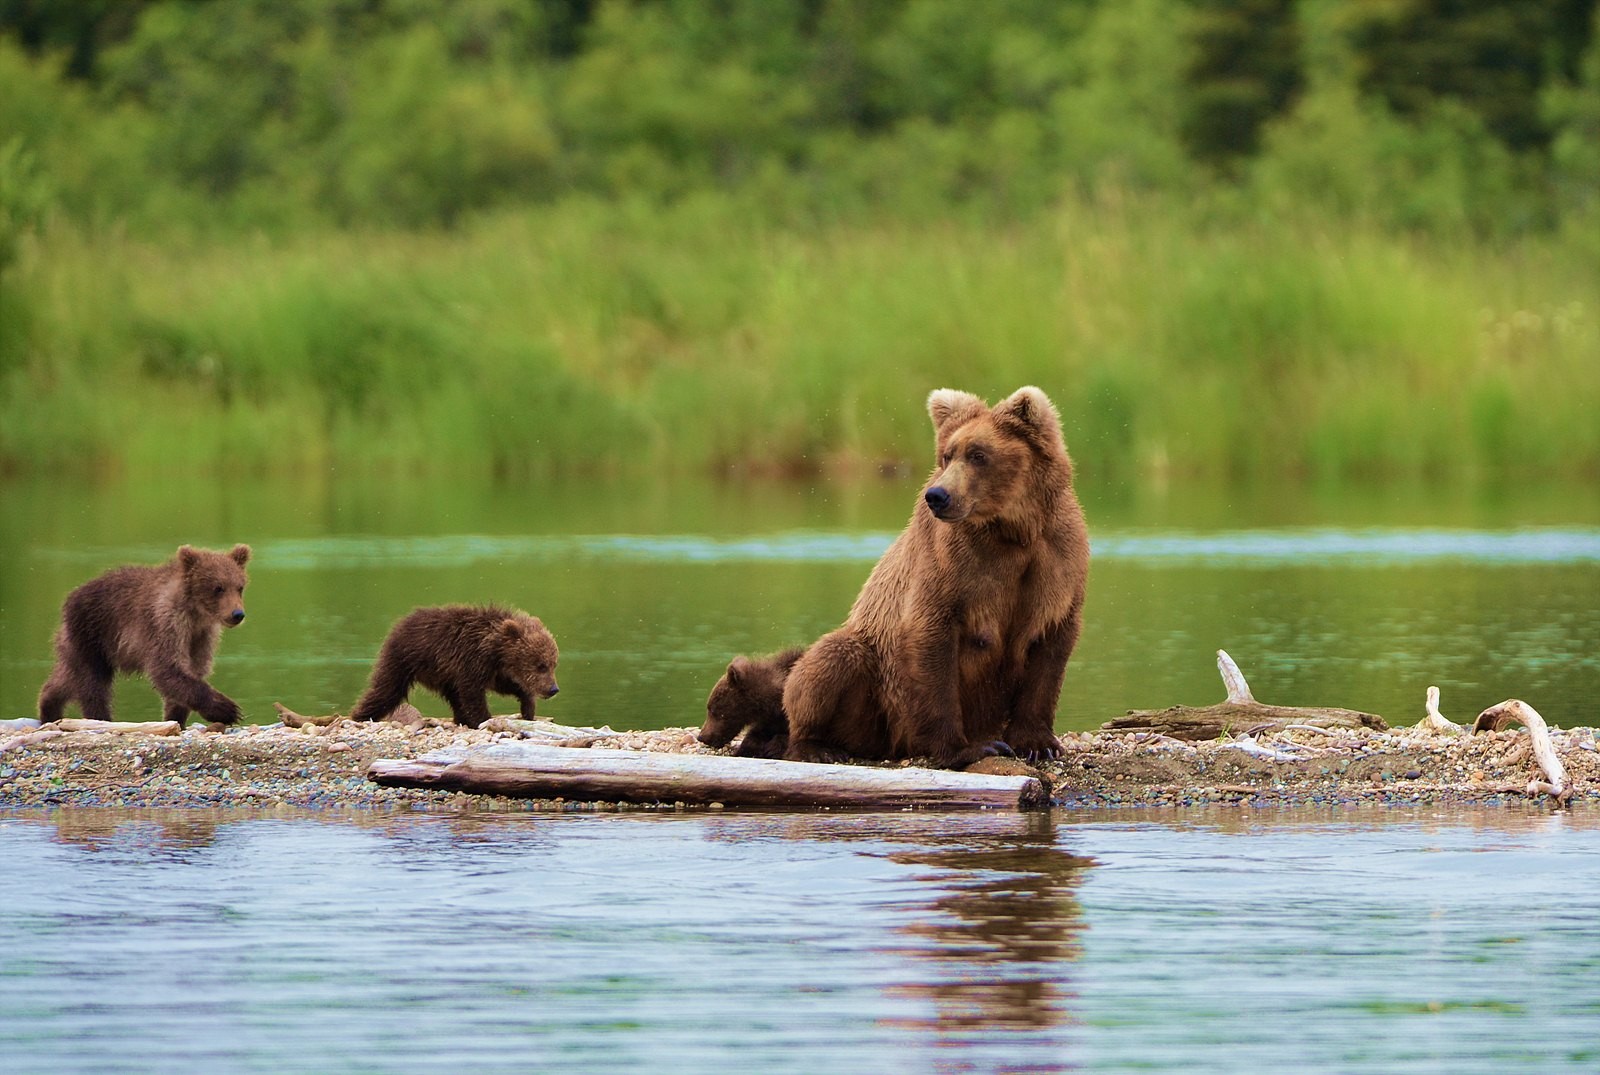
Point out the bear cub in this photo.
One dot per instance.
(461, 652)
(750, 696)
(162, 621)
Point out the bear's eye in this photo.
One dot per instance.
(217, 592)
(977, 457)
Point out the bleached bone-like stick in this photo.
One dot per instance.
(119, 727)
(28, 739)
(1436, 721)
(1514, 709)
(1233, 679)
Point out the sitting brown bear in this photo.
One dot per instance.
(957, 644)
(750, 696)
(462, 652)
(163, 621)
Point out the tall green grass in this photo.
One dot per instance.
(598, 338)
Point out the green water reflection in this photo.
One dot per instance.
(1359, 598)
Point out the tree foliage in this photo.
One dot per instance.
(414, 113)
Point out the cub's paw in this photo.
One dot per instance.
(223, 710)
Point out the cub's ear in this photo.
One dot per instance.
(1031, 410)
(949, 407)
(738, 671)
(240, 554)
(188, 556)
(789, 658)
(510, 627)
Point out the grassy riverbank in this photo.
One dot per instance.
(588, 337)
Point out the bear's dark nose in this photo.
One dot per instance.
(938, 499)
(554, 690)
(238, 616)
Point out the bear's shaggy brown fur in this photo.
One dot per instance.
(750, 696)
(461, 652)
(957, 644)
(163, 621)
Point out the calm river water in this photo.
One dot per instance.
(1207, 942)
(1356, 597)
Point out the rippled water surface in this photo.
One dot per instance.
(1354, 598)
(1220, 941)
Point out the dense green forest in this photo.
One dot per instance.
(1327, 237)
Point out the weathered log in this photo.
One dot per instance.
(1514, 710)
(534, 771)
(119, 727)
(1239, 714)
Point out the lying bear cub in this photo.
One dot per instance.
(461, 652)
(750, 696)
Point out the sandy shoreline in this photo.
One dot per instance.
(264, 766)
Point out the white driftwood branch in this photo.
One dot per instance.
(1233, 679)
(120, 727)
(535, 771)
(1544, 750)
(28, 739)
(1435, 721)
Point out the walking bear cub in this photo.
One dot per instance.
(957, 644)
(750, 696)
(461, 652)
(163, 621)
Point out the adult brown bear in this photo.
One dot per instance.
(957, 644)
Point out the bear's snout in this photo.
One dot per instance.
(938, 499)
(236, 617)
(553, 691)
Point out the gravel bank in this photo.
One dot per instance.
(320, 767)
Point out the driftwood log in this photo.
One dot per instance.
(1434, 721)
(534, 771)
(119, 727)
(1514, 710)
(1239, 714)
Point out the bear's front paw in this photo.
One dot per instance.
(815, 752)
(1045, 749)
(975, 752)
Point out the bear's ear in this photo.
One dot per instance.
(188, 556)
(1031, 410)
(949, 407)
(511, 627)
(788, 659)
(240, 554)
(738, 670)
